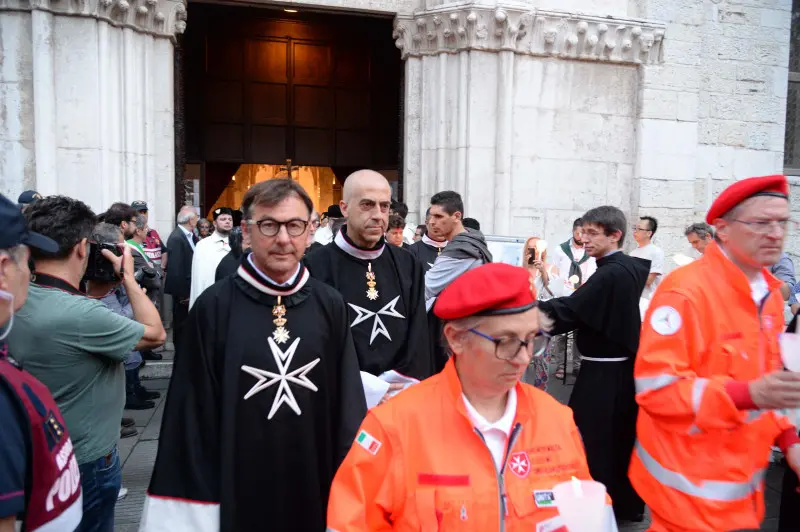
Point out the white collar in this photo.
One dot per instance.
(216, 237)
(350, 249)
(759, 288)
(259, 285)
(185, 231)
(288, 282)
(504, 424)
(433, 243)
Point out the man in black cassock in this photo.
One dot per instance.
(430, 246)
(605, 312)
(265, 397)
(382, 284)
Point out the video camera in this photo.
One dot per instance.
(100, 268)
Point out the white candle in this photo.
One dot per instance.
(541, 247)
(577, 488)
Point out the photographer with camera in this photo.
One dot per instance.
(76, 346)
(126, 218)
(114, 297)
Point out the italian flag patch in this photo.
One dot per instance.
(365, 440)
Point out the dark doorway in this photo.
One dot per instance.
(262, 86)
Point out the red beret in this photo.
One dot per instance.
(491, 289)
(774, 185)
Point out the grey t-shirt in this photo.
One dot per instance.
(75, 346)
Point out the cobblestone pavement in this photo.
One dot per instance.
(138, 455)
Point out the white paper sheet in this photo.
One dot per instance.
(790, 351)
(374, 388)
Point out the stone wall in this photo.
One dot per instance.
(87, 101)
(574, 142)
(714, 111)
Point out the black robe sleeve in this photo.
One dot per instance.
(416, 360)
(184, 492)
(352, 404)
(582, 308)
(607, 305)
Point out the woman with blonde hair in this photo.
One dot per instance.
(548, 285)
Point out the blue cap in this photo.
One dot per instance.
(29, 196)
(14, 229)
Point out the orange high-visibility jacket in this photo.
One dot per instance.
(418, 464)
(702, 449)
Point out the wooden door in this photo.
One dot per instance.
(320, 89)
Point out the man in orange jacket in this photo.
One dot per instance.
(471, 448)
(709, 376)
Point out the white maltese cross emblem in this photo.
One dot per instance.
(378, 326)
(267, 378)
(519, 464)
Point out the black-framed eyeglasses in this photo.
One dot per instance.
(270, 227)
(507, 348)
(764, 227)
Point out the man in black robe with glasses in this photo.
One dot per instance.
(605, 312)
(266, 395)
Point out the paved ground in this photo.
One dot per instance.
(138, 455)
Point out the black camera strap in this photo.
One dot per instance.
(48, 281)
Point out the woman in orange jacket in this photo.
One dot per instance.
(471, 448)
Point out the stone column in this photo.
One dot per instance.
(530, 114)
(86, 88)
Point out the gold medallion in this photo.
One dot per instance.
(372, 294)
(281, 334)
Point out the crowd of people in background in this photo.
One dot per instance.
(318, 348)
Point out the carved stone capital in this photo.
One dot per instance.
(530, 32)
(161, 18)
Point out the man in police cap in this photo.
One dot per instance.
(33, 436)
(209, 252)
(709, 375)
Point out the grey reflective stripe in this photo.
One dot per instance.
(698, 388)
(329, 529)
(646, 384)
(713, 490)
(753, 415)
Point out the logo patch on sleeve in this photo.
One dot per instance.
(666, 321)
(368, 442)
(544, 499)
